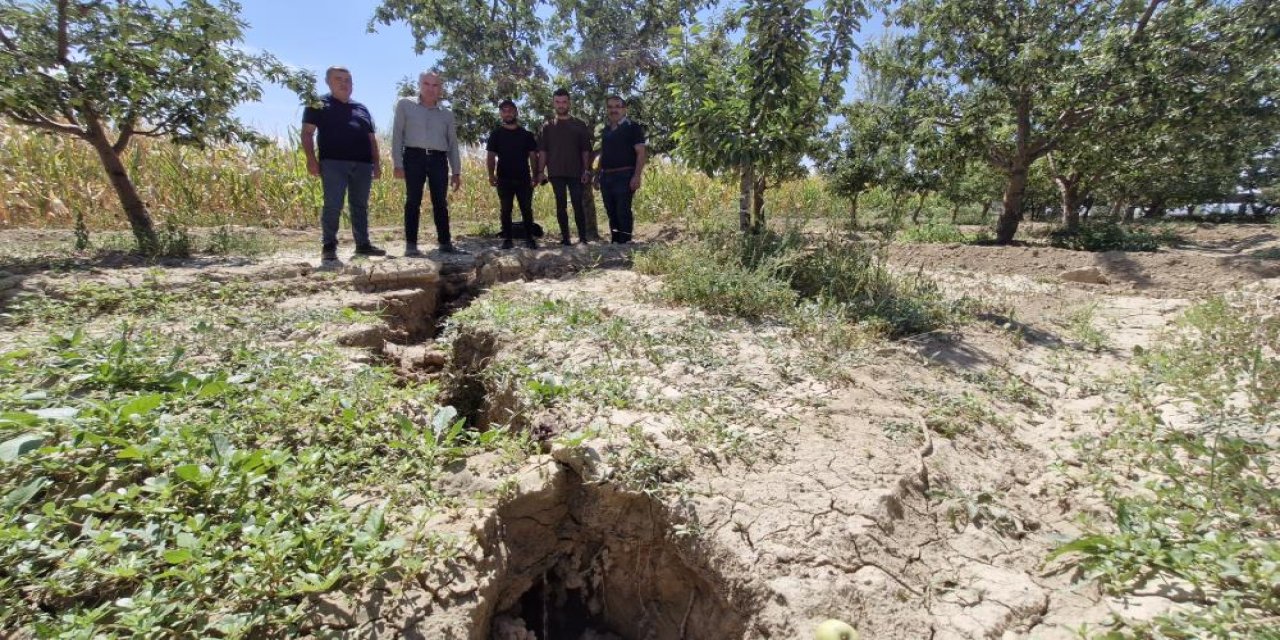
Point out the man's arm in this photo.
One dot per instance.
(536, 170)
(309, 148)
(455, 154)
(377, 158)
(397, 143)
(491, 163)
(584, 146)
(641, 156)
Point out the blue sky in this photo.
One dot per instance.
(319, 33)
(316, 34)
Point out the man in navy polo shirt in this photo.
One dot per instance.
(622, 158)
(348, 162)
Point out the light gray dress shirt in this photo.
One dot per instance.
(430, 128)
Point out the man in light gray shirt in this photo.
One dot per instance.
(424, 148)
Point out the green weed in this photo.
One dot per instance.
(1207, 514)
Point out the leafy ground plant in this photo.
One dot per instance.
(1206, 519)
(203, 477)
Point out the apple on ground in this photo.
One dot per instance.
(835, 630)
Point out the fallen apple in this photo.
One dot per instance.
(835, 630)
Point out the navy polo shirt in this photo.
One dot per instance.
(344, 129)
(618, 146)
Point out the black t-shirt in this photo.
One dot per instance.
(344, 129)
(512, 146)
(618, 146)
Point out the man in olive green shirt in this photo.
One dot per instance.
(564, 150)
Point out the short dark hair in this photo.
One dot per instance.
(616, 97)
(507, 103)
(335, 68)
(561, 92)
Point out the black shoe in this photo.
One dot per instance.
(449, 248)
(370, 250)
(506, 244)
(531, 243)
(329, 254)
(566, 241)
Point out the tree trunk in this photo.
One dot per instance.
(757, 206)
(1155, 209)
(955, 212)
(1129, 213)
(915, 215)
(134, 208)
(744, 198)
(1117, 208)
(1014, 190)
(986, 211)
(1069, 188)
(853, 211)
(590, 212)
(1088, 208)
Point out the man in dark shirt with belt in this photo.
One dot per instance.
(348, 162)
(513, 152)
(622, 158)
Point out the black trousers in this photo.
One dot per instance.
(574, 188)
(615, 190)
(432, 170)
(523, 193)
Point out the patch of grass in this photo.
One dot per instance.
(1109, 235)
(940, 233)
(1207, 513)
(88, 300)
(1082, 326)
(952, 416)
(767, 276)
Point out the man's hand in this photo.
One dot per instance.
(313, 166)
(377, 171)
(493, 181)
(635, 182)
(586, 176)
(456, 181)
(398, 173)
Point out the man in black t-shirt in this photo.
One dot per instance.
(622, 159)
(348, 162)
(512, 162)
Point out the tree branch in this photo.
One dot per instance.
(64, 47)
(39, 121)
(7, 42)
(1145, 19)
(122, 143)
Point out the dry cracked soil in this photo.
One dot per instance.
(701, 478)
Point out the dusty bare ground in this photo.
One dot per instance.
(723, 480)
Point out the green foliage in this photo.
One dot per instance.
(109, 72)
(195, 473)
(749, 92)
(765, 276)
(492, 53)
(940, 233)
(1206, 516)
(1109, 235)
(1009, 83)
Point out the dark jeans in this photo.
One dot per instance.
(521, 191)
(433, 170)
(615, 190)
(574, 187)
(351, 179)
